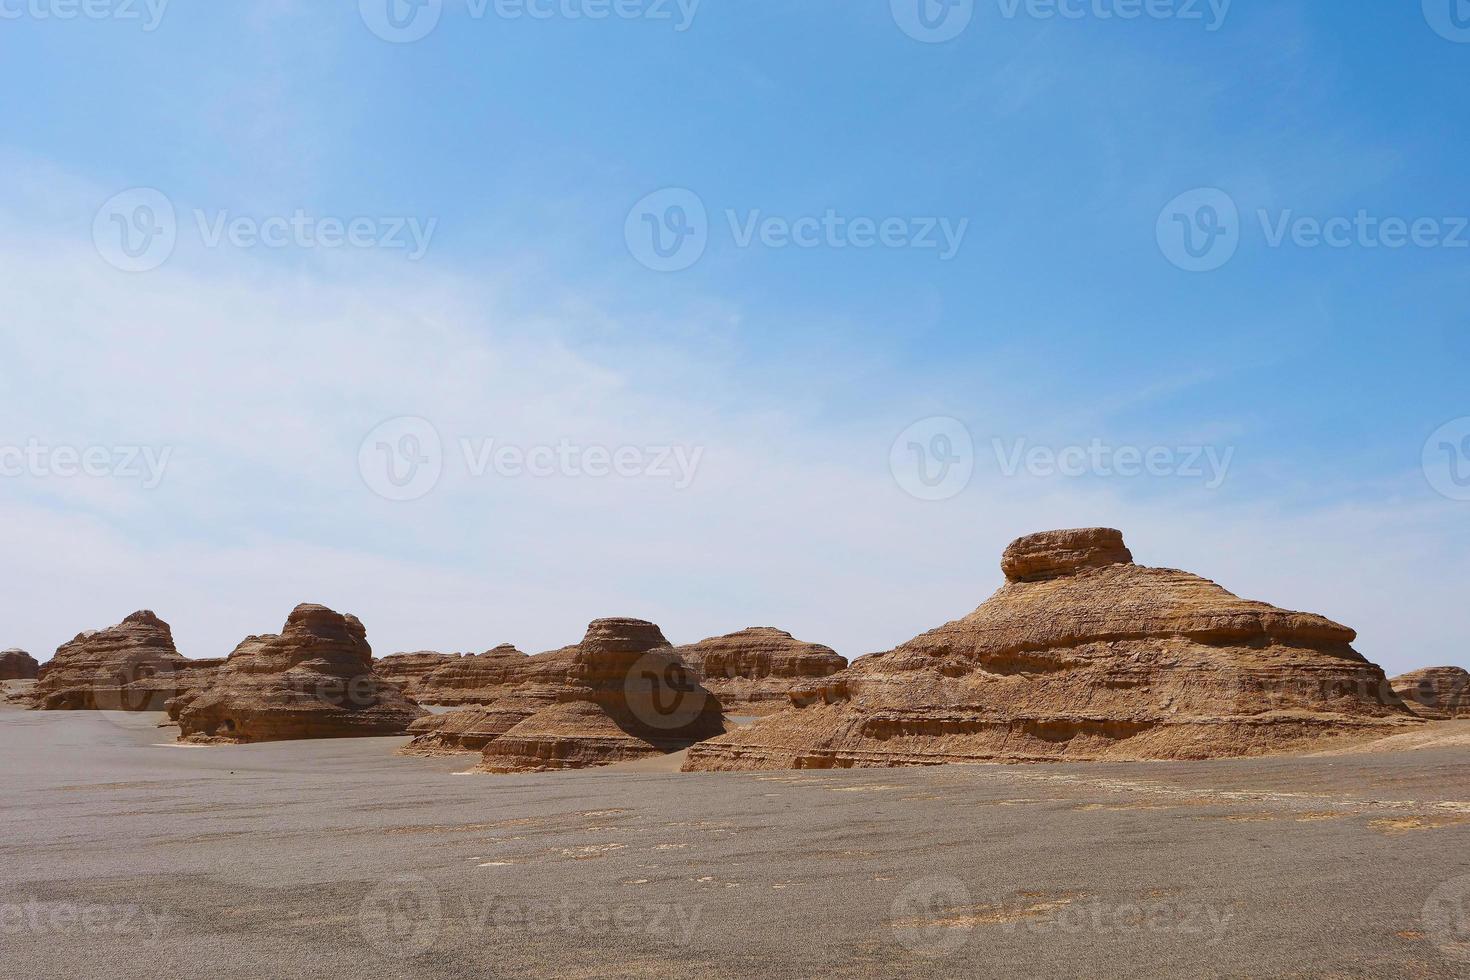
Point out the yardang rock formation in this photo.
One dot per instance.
(17, 665)
(1435, 692)
(1082, 654)
(481, 678)
(753, 671)
(312, 680)
(407, 671)
(132, 666)
(624, 695)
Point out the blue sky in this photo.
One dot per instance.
(1060, 321)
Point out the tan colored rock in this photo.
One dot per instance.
(1081, 655)
(17, 665)
(478, 679)
(515, 690)
(1435, 692)
(312, 680)
(132, 666)
(625, 695)
(408, 670)
(753, 671)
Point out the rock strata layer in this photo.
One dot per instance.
(1081, 655)
(753, 671)
(478, 679)
(408, 670)
(1435, 692)
(314, 679)
(132, 666)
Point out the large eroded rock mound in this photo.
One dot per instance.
(132, 666)
(623, 694)
(753, 671)
(312, 680)
(17, 665)
(1082, 654)
(1435, 692)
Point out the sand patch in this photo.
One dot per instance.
(1403, 825)
(1036, 905)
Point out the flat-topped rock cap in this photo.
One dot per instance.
(1052, 554)
(622, 635)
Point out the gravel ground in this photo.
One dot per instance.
(124, 856)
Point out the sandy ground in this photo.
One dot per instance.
(124, 856)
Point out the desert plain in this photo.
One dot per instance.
(126, 854)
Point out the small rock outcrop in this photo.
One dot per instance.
(623, 694)
(132, 666)
(314, 679)
(408, 670)
(753, 671)
(522, 686)
(1081, 655)
(17, 665)
(477, 679)
(1435, 692)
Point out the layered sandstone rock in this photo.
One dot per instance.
(312, 680)
(624, 694)
(1435, 692)
(17, 665)
(132, 666)
(408, 670)
(496, 698)
(476, 679)
(753, 671)
(1082, 654)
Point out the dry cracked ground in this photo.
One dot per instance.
(127, 856)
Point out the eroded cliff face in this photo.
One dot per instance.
(132, 666)
(1082, 654)
(312, 680)
(753, 671)
(1435, 692)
